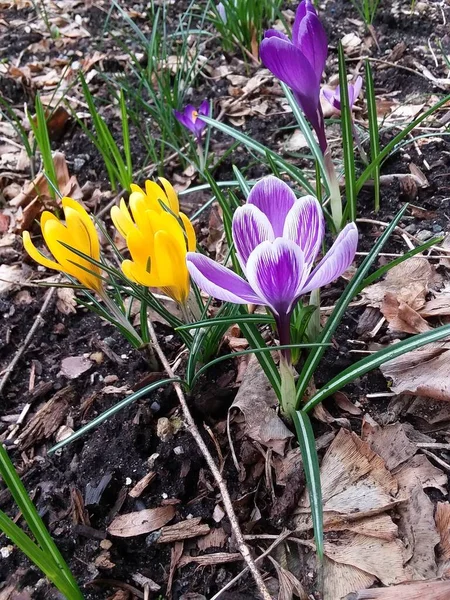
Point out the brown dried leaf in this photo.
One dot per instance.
(142, 521)
(11, 277)
(390, 442)
(340, 579)
(423, 372)
(442, 518)
(66, 303)
(409, 282)
(423, 590)
(257, 402)
(402, 317)
(73, 367)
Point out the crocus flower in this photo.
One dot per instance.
(277, 239)
(222, 12)
(79, 233)
(334, 96)
(299, 62)
(158, 236)
(190, 118)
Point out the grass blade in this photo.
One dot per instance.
(294, 172)
(375, 360)
(111, 412)
(315, 355)
(373, 132)
(347, 139)
(305, 437)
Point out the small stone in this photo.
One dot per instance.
(105, 544)
(424, 235)
(178, 450)
(412, 228)
(109, 379)
(437, 228)
(6, 551)
(128, 481)
(155, 407)
(152, 459)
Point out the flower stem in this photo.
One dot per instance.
(201, 156)
(335, 192)
(288, 392)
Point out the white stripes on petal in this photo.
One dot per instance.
(305, 225)
(251, 227)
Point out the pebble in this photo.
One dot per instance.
(411, 228)
(424, 235)
(178, 450)
(437, 228)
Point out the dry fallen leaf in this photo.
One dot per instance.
(257, 402)
(74, 366)
(423, 590)
(423, 372)
(142, 521)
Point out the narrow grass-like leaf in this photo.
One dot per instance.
(31, 516)
(397, 261)
(255, 351)
(40, 131)
(391, 146)
(111, 412)
(315, 355)
(228, 321)
(347, 138)
(307, 133)
(375, 360)
(38, 557)
(305, 437)
(374, 135)
(294, 172)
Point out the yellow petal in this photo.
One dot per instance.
(171, 225)
(81, 236)
(120, 216)
(141, 250)
(71, 263)
(190, 233)
(155, 195)
(136, 188)
(171, 195)
(36, 255)
(85, 220)
(172, 267)
(132, 271)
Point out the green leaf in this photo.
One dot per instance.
(232, 320)
(373, 131)
(370, 169)
(350, 291)
(307, 133)
(347, 138)
(111, 412)
(294, 172)
(305, 437)
(397, 261)
(32, 518)
(375, 360)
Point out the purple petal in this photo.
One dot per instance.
(251, 227)
(302, 9)
(204, 109)
(354, 89)
(186, 117)
(276, 271)
(218, 281)
(312, 42)
(290, 65)
(336, 261)
(333, 97)
(275, 199)
(313, 112)
(275, 33)
(305, 226)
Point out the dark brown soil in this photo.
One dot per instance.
(118, 452)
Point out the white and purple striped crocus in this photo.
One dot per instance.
(191, 118)
(299, 62)
(277, 239)
(334, 96)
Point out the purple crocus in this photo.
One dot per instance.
(299, 62)
(191, 118)
(222, 12)
(277, 239)
(334, 96)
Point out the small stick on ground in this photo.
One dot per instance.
(228, 505)
(38, 321)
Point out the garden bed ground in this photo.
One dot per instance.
(80, 490)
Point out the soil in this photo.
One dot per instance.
(116, 455)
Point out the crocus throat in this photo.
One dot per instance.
(194, 115)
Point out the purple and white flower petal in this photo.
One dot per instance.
(302, 9)
(250, 228)
(336, 261)
(204, 109)
(305, 225)
(275, 271)
(275, 199)
(222, 12)
(334, 96)
(218, 281)
(190, 118)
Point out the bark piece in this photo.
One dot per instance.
(189, 528)
(142, 521)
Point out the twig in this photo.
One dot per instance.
(38, 321)
(228, 505)
(280, 538)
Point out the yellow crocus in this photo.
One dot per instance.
(79, 233)
(158, 236)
